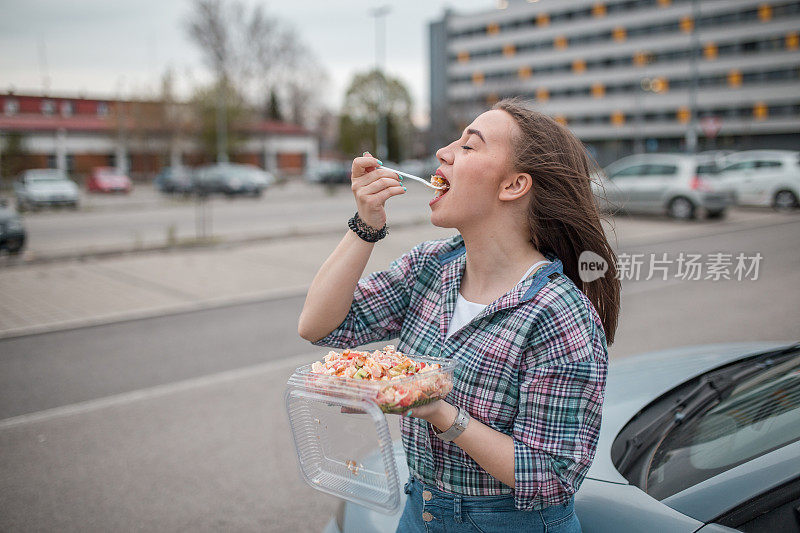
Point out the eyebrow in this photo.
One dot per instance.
(476, 132)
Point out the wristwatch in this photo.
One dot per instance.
(458, 427)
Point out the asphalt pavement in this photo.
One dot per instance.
(150, 396)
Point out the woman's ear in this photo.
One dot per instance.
(516, 186)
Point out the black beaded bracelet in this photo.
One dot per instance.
(365, 231)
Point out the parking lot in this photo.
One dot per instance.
(146, 389)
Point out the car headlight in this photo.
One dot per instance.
(13, 225)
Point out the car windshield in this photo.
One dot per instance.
(43, 176)
(240, 172)
(761, 414)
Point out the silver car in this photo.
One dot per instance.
(673, 184)
(45, 187)
(697, 439)
(764, 178)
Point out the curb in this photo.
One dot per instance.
(155, 312)
(212, 242)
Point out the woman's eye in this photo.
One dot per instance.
(465, 147)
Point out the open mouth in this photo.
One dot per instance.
(440, 181)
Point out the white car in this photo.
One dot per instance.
(41, 187)
(674, 184)
(764, 177)
(697, 439)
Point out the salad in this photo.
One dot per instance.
(395, 381)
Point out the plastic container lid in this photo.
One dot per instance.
(342, 437)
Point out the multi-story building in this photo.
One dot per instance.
(627, 75)
(139, 137)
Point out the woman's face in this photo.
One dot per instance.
(475, 165)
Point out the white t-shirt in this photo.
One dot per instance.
(465, 310)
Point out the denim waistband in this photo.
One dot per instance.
(448, 499)
(502, 502)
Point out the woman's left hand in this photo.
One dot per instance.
(439, 413)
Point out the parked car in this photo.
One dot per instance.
(12, 232)
(674, 184)
(174, 180)
(697, 439)
(40, 187)
(718, 156)
(231, 179)
(764, 177)
(108, 179)
(330, 172)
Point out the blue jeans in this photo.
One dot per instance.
(429, 510)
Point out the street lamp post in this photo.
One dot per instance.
(380, 58)
(638, 144)
(222, 121)
(691, 131)
(646, 85)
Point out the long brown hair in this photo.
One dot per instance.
(562, 215)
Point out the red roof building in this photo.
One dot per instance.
(77, 134)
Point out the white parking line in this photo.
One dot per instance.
(155, 392)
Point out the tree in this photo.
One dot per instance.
(251, 49)
(205, 102)
(360, 114)
(12, 155)
(252, 53)
(273, 107)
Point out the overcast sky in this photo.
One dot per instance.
(104, 47)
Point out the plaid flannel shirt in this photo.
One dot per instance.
(533, 365)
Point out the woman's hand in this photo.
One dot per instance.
(439, 413)
(493, 450)
(372, 186)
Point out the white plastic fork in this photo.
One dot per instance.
(413, 177)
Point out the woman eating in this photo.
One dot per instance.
(510, 445)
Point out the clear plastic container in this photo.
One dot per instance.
(392, 396)
(341, 434)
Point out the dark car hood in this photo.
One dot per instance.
(635, 382)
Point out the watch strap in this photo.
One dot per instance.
(458, 427)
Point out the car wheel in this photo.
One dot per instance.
(681, 208)
(14, 246)
(784, 201)
(719, 213)
(73, 206)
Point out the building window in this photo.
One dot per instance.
(11, 106)
(67, 108)
(48, 107)
(102, 109)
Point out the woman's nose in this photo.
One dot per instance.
(444, 154)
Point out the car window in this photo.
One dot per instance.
(636, 170)
(741, 165)
(761, 414)
(707, 170)
(661, 170)
(768, 164)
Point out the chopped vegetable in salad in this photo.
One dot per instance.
(389, 365)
